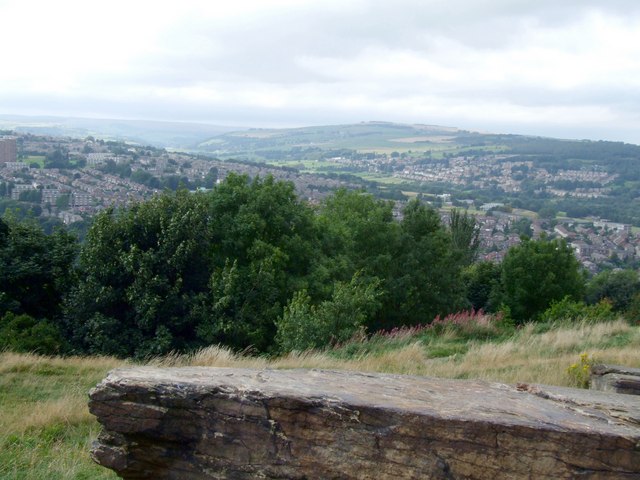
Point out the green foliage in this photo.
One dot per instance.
(305, 326)
(426, 271)
(62, 202)
(142, 272)
(465, 236)
(568, 309)
(57, 159)
(537, 272)
(184, 270)
(248, 264)
(580, 372)
(22, 333)
(33, 196)
(35, 269)
(481, 280)
(633, 311)
(617, 286)
(264, 248)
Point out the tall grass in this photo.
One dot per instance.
(524, 355)
(45, 426)
(46, 429)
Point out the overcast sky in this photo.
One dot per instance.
(562, 68)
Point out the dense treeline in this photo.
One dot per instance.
(249, 265)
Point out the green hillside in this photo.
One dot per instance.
(371, 136)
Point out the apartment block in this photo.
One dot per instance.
(8, 149)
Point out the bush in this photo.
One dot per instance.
(22, 333)
(304, 326)
(571, 310)
(580, 372)
(471, 324)
(633, 312)
(537, 272)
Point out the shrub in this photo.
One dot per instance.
(571, 310)
(22, 333)
(580, 372)
(304, 326)
(470, 323)
(633, 312)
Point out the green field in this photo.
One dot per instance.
(39, 159)
(309, 166)
(382, 179)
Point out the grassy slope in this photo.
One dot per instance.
(365, 137)
(46, 430)
(45, 427)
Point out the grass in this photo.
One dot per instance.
(46, 429)
(45, 426)
(381, 178)
(39, 159)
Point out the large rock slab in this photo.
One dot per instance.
(615, 378)
(221, 423)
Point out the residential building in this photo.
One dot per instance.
(8, 150)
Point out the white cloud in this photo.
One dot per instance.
(571, 66)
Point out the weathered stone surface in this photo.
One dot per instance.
(615, 378)
(220, 423)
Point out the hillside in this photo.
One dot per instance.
(551, 177)
(367, 136)
(53, 440)
(157, 133)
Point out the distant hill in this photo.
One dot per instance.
(384, 137)
(159, 134)
(378, 136)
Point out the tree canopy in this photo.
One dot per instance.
(249, 265)
(537, 272)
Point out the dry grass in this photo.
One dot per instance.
(45, 425)
(525, 357)
(27, 362)
(46, 429)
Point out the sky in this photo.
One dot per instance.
(559, 68)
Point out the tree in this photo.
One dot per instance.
(305, 326)
(265, 248)
(547, 211)
(143, 275)
(465, 236)
(190, 269)
(537, 272)
(22, 333)
(358, 234)
(618, 286)
(62, 202)
(32, 196)
(359, 229)
(57, 159)
(35, 269)
(481, 280)
(425, 278)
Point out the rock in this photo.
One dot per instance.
(224, 423)
(615, 378)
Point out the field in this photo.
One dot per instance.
(377, 137)
(382, 179)
(39, 159)
(46, 430)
